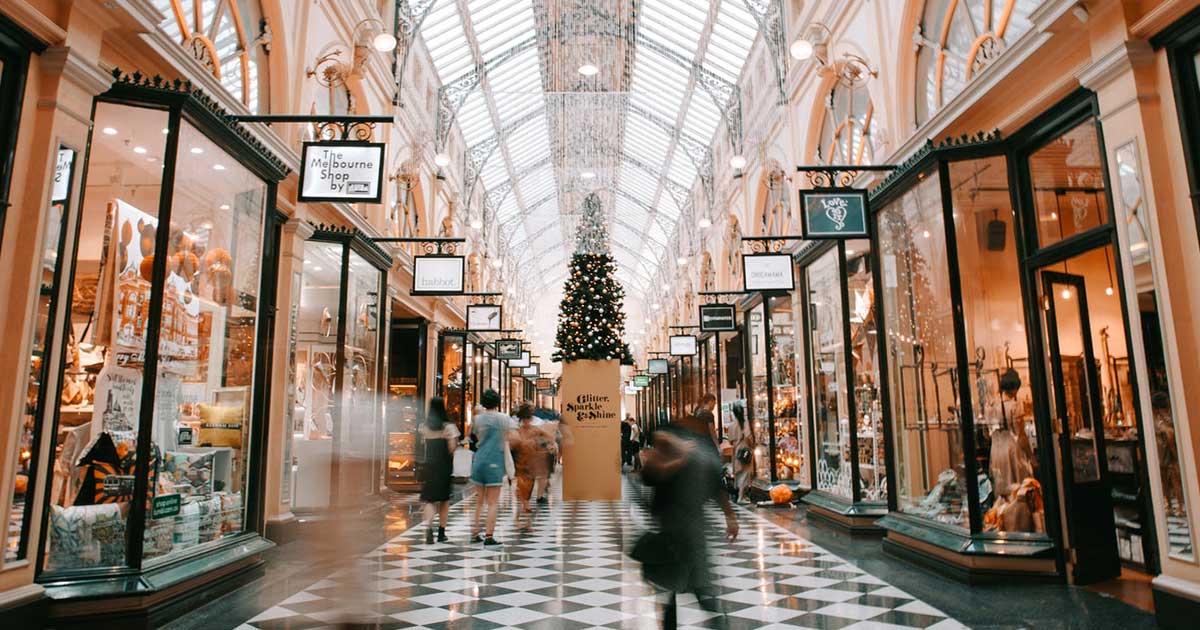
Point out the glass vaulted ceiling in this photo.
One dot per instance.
(559, 134)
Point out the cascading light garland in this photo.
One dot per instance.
(591, 322)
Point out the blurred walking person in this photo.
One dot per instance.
(488, 470)
(684, 469)
(530, 444)
(440, 438)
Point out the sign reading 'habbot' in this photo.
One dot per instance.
(342, 171)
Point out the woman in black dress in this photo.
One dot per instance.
(440, 439)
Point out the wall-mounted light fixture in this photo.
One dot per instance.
(814, 43)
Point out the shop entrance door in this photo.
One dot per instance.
(1077, 414)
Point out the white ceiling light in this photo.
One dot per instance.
(737, 162)
(441, 159)
(139, 150)
(655, 306)
(801, 49)
(497, 263)
(682, 260)
(588, 70)
(197, 150)
(109, 131)
(588, 175)
(704, 223)
(476, 223)
(218, 167)
(384, 42)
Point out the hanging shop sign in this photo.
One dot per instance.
(439, 275)
(533, 371)
(641, 380)
(630, 390)
(544, 384)
(522, 362)
(683, 345)
(657, 366)
(718, 318)
(508, 349)
(62, 175)
(342, 171)
(834, 213)
(768, 272)
(484, 317)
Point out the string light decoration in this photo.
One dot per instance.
(591, 318)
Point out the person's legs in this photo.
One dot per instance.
(493, 505)
(480, 491)
(443, 516)
(669, 612)
(429, 522)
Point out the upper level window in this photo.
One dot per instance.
(223, 35)
(956, 39)
(848, 130)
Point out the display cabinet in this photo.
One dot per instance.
(840, 361)
(155, 389)
(338, 438)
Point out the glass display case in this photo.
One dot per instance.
(454, 378)
(338, 438)
(155, 408)
(840, 357)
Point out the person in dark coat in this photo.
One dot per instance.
(439, 438)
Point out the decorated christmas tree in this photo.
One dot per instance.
(591, 322)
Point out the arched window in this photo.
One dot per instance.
(224, 36)
(848, 129)
(956, 39)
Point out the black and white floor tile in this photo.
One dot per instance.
(572, 572)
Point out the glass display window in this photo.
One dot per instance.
(453, 385)
(758, 401)
(922, 354)
(338, 438)
(827, 376)
(158, 410)
(1069, 192)
(45, 314)
(790, 459)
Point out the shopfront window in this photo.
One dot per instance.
(45, 310)
(316, 374)
(360, 439)
(207, 338)
(790, 464)
(922, 356)
(455, 389)
(1141, 250)
(864, 359)
(993, 314)
(100, 402)
(828, 375)
(758, 399)
(1068, 185)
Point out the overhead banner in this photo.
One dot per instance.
(342, 171)
(438, 275)
(508, 349)
(768, 272)
(683, 345)
(522, 362)
(591, 411)
(718, 318)
(641, 380)
(657, 366)
(484, 317)
(834, 213)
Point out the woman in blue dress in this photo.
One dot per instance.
(487, 470)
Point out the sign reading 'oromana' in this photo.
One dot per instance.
(718, 318)
(438, 275)
(768, 272)
(834, 213)
(342, 171)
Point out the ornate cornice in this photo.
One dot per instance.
(947, 143)
(81, 71)
(203, 101)
(1114, 64)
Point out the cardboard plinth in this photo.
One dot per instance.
(591, 410)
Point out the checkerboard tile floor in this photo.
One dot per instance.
(572, 572)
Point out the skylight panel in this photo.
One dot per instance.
(446, 42)
(702, 117)
(474, 119)
(499, 25)
(682, 169)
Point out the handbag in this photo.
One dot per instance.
(661, 561)
(743, 455)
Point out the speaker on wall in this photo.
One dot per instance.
(997, 233)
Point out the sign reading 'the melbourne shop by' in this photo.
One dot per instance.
(834, 213)
(342, 171)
